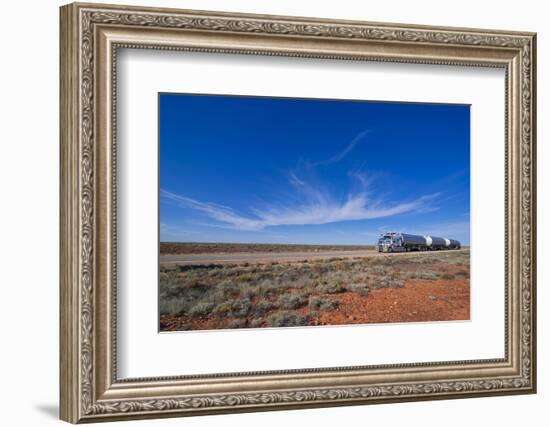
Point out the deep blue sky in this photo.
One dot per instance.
(275, 170)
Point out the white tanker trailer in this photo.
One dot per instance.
(402, 242)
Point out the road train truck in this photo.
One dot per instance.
(402, 242)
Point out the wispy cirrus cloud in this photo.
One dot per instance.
(307, 203)
(222, 214)
(342, 154)
(307, 206)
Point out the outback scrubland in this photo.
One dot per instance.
(430, 286)
(168, 248)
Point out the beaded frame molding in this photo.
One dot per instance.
(90, 37)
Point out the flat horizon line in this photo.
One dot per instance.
(273, 244)
(264, 243)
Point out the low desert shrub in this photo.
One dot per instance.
(286, 318)
(447, 276)
(395, 275)
(425, 275)
(172, 291)
(246, 277)
(322, 304)
(237, 323)
(262, 307)
(257, 323)
(463, 273)
(267, 287)
(241, 307)
(228, 288)
(291, 301)
(201, 309)
(223, 309)
(360, 288)
(171, 306)
(248, 289)
(237, 308)
(380, 270)
(424, 259)
(387, 283)
(331, 288)
(302, 281)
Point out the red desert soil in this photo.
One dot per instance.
(417, 301)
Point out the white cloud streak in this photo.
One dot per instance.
(219, 213)
(339, 156)
(314, 207)
(308, 204)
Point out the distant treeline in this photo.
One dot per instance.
(177, 248)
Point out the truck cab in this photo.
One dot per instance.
(386, 242)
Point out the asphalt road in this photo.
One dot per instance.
(268, 257)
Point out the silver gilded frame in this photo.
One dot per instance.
(90, 37)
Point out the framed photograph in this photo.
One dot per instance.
(266, 212)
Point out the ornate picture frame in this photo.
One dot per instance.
(90, 37)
